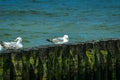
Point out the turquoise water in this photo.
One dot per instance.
(37, 20)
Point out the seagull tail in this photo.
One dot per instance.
(49, 40)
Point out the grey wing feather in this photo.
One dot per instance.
(57, 40)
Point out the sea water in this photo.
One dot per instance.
(37, 20)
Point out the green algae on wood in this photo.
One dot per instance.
(90, 57)
(26, 66)
(104, 54)
(73, 62)
(17, 64)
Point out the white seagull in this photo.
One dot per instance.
(1, 48)
(16, 44)
(59, 40)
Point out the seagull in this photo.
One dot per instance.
(1, 48)
(59, 40)
(16, 44)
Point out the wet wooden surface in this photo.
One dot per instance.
(94, 60)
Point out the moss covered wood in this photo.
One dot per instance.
(94, 60)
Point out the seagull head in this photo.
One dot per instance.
(66, 37)
(18, 39)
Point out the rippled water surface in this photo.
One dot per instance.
(37, 20)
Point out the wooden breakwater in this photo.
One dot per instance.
(95, 60)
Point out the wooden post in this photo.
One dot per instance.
(6, 66)
(103, 59)
(16, 66)
(58, 63)
(97, 69)
(117, 50)
(1, 67)
(26, 65)
(73, 71)
(43, 56)
(111, 47)
(65, 62)
(90, 60)
(81, 62)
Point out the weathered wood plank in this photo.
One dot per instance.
(90, 60)
(6, 66)
(81, 62)
(25, 65)
(65, 63)
(16, 68)
(117, 60)
(1, 67)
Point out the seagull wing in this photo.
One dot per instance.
(18, 46)
(57, 40)
(9, 45)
